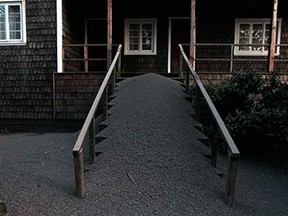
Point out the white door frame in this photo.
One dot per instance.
(170, 39)
(59, 36)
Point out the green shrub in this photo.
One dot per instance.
(254, 109)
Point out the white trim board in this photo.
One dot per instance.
(59, 36)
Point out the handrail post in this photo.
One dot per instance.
(79, 173)
(197, 103)
(92, 133)
(234, 153)
(231, 57)
(105, 101)
(113, 82)
(187, 80)
(231, 179)
(86, 58)
(119, 66)
(180, 65)
(89, 125)
(215, 145)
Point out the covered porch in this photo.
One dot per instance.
(89, 34)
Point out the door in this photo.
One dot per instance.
(96, 40)
(179, 33)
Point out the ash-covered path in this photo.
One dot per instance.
(152, 163)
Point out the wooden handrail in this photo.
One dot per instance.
(230, 57)
(78, 147)
(234, 153)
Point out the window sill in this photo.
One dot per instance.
(12, 44)
(253, 54)
(139, 53)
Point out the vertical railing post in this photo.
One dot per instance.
(86, 58)
(79, 173)
(180, 65)
(231, 58)
(92, 133)
(197, 103)
(105, 101)
(231, 179)
(187, 80)
(215, 145)
(113, 81)
(119, 66)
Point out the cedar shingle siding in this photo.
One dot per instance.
(74, 94)
(26, 71)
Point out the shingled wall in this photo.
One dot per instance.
(26, 71)
(74, 94)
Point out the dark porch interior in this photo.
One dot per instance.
(215, 25)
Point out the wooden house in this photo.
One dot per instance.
(54, 53)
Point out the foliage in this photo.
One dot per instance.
(3, 130)
(254, 109)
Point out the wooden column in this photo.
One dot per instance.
(192, 33)
(79, 173)
(272, 48)
(109, 33)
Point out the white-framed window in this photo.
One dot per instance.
(140, 37)
(12, 22)
(255, 33)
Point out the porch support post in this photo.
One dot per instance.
(59, 36)
(273, 37)
(192, 33)
(109, 33)
(169, 44)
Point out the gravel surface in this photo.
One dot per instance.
(152, 163)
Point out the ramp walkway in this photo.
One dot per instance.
(151, 163)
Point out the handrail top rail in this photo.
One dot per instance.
(79, 142)
(228, 139)
(88, 44)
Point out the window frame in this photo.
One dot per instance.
(22, 40)
(141, 21)
(254, 21)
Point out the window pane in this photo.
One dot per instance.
(134, 47)
(267, 34)
(257, 41)
(14, 22)
(146, 42)
(147, 46)
(134, 27)
(147, 27)
(15, 35)
(244, 41)
(257, 31)
(2, 35)
(244, 30)
(134, 33)
(2, 23)
(146, 33)
(134, 40)
(147, 37)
